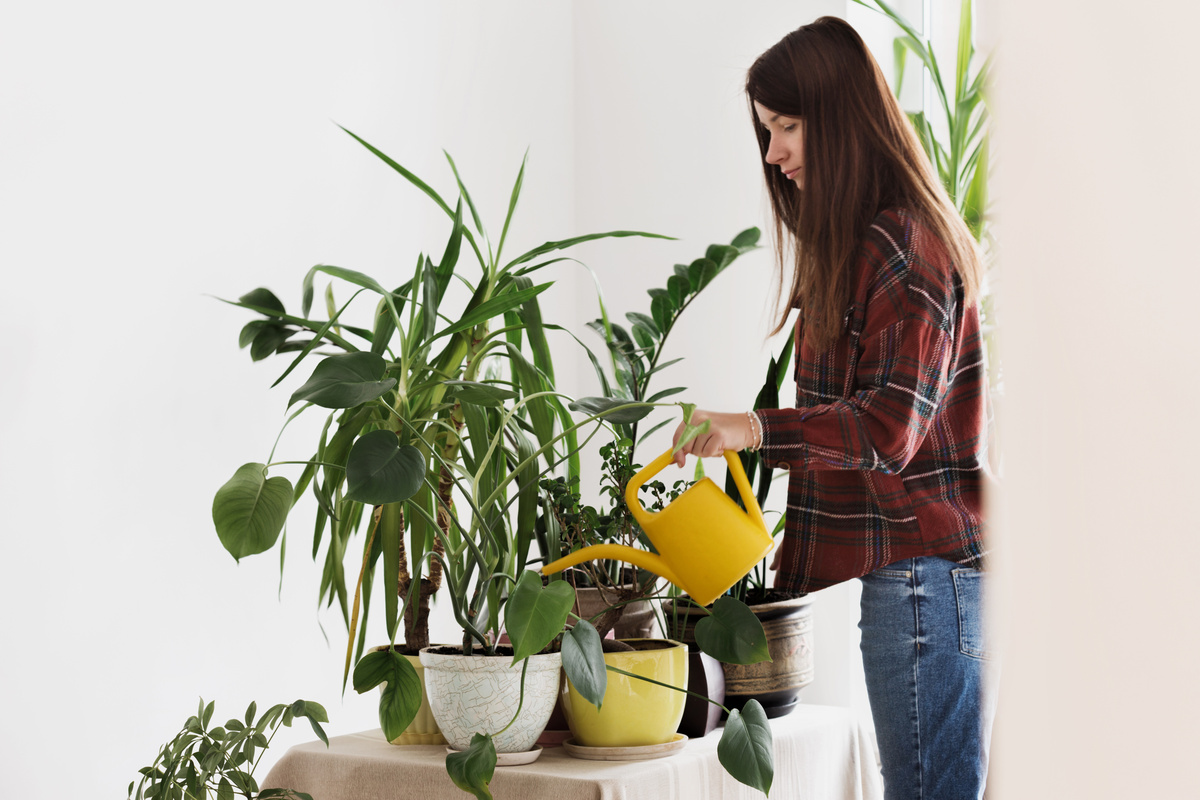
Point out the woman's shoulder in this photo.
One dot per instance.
(903, 255)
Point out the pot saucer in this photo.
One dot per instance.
(640, 753)
(511, 759)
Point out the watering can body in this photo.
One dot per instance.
(705, 542)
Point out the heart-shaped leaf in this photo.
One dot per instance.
(250, 509)
(379, 470)
(400, 699)
(345, 381)
(535, 614)
(746, 749)
(732, 634)
(583, 661)
(603, 405)
(473, 768)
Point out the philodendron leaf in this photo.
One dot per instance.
(732, 634)
(472, 769)
(401, 698)
(601, 405)
(250, 509)
(535, 614)
(379, 470)
(345, 381)
(583, 661)
(480, 394)
(746, 749)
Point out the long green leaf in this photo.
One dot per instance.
(565, 243)
(583, 661)
(492, 308)
(512, 204)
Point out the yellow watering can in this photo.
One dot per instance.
(705, 542)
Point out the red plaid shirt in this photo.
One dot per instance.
(887, 443)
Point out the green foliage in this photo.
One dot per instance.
(635, 352)
(536, 614)
(583, 661)
(218, 762)
(746, 749)
(473, 768)
(401, 698)
(732, 634)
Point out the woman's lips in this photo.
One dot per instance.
(792, 174)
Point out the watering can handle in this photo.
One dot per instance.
(657, 465)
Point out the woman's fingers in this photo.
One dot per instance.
(725, 432)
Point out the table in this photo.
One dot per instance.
(820, 754)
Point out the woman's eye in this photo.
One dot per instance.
(789, 128)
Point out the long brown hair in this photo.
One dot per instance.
(861, 156)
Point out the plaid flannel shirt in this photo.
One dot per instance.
(887, 443)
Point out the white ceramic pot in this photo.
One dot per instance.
(480, 694)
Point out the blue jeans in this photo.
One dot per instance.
(925, 657)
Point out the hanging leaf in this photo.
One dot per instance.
(600, 405)
(379, 470)
(732, 634)
(746, 749)
(473, 768)
(535, 614)
(480, 394)
(250, 509)
(345, 381)
(401, 698)
(583, 661)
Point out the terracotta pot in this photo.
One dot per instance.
(776, 684)
(480, 694)
(637, 618)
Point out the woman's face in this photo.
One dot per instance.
(786, 149)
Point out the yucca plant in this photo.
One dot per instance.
(392, 391)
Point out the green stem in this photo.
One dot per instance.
(611, 668)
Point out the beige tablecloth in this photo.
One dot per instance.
(820, 754)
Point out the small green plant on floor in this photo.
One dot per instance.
(203, 762)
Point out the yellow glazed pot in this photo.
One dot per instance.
(634, 713)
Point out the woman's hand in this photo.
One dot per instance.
(725, 432)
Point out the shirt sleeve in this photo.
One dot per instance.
(901, 372)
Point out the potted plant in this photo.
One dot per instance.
(219, 762)
(397, 394)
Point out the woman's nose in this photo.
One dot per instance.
(774, 156)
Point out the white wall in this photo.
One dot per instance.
(1097, 105)
(154, 155)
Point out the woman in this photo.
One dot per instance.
(886, 447)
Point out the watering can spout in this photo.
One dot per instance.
(705, 542)
(618, 552)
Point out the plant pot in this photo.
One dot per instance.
(424, 728)
(776, 683)
(634, 713)
(706, 677)
(480, 694)
(637, 618)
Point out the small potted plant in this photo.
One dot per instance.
(219, 762)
